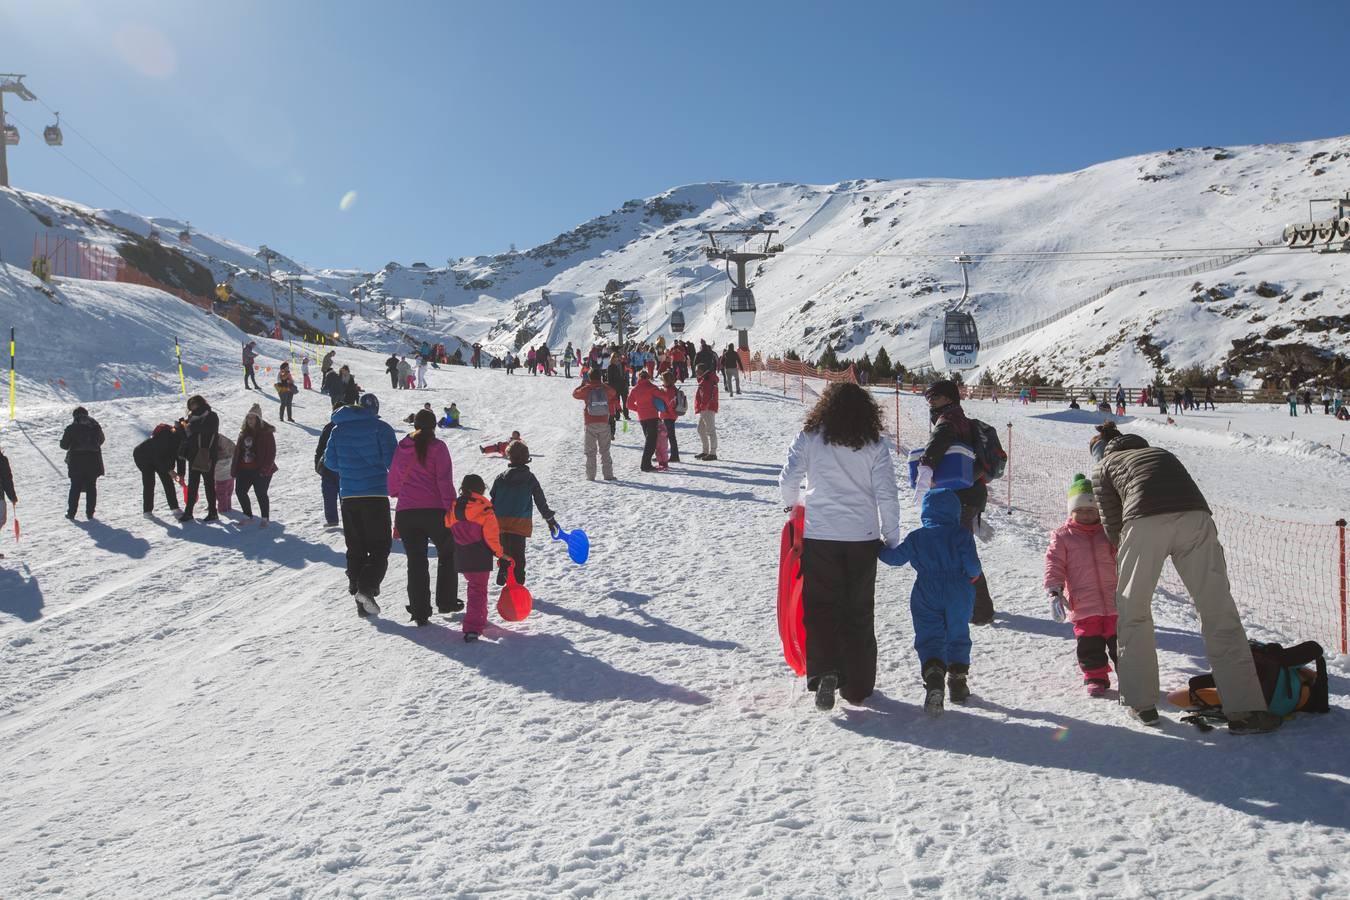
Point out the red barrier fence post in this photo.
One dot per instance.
(1340, 528)
(1010, 468)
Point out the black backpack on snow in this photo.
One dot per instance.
(988, 449)
(1277, 668)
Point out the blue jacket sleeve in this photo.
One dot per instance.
(965, 551)
(899, 555)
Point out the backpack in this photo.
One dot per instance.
(597, 402)
(1278, 668)
(989, 453)
(681, 403)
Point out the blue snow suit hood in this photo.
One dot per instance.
(943, 554)
(360, 450)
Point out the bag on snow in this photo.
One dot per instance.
(989, 453)
(1286, 684)
(597, 402)
(681, 403)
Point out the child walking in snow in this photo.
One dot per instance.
(1080, 577)
(943, 598)
(221, 474)
(515, 494)
(477, 543)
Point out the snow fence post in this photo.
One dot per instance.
(1010, 468)
(1340, 528)
(897, 415)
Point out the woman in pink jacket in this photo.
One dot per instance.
(1080, 576)
(423, 480)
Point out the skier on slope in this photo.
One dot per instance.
(360, 449)
(249, 356)
(515, 495)
(82, 441)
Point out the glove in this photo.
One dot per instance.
(1056, 605)
(923, 481)
(552, 525)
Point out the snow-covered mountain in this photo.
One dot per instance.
(867, 264)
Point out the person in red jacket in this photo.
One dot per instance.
(705, 404)
(671, 394)
(642, 400)
(1080, 577)
(255, 455)
(599, 403)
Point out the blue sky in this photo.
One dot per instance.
(465, 127)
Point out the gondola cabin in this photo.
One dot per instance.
(741, 309)
(954, 342)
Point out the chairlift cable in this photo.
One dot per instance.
(131, 207)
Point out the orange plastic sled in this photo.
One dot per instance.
(515, 602)
(790, 627)
(1210, 696)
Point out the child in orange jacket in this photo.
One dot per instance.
(473, 525)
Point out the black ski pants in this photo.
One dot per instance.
(148, 474)
(82, 484)
(365, 526)
(670, 439)
(649, 427)
(513, 545)
(838, 589)
(249, 376)
(194, 479)
(259, 483)
(973, 501)
(417, 528)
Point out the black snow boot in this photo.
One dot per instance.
(361, 610)
(454, 606)
(957, 688)
(825, 689)
(934, 671)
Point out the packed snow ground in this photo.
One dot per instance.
(200, 713)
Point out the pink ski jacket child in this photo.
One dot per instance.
(1081, 561)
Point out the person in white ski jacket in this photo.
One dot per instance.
(852, 507)
(422, 374)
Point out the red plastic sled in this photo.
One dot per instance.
(515, 602)
(790, 627)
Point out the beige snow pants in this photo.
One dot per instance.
(707, 431)
(597, 438)
(1192, 541)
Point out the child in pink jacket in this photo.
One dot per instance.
(1080, 577)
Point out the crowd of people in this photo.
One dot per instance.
(1140, 508)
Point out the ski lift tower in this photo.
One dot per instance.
(10, 84)
(741, 301)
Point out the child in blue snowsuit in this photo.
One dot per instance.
(943, 554)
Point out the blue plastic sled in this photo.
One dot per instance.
(956, 469)
(578, 545)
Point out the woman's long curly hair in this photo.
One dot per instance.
(845, 415)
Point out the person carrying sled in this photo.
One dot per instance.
(950, 426)
(155, 457)
(942, 552)
(600, 403)
(705, 405)
(422, 477)
(515, 494)
(1152, 510)
(850, 484)
(360, 449)
(254, 463)
(83, 443)
(250, 355)
(199, 450)
(477, 539)
(1080, 579)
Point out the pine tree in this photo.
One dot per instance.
(828, 360)
(881, 366)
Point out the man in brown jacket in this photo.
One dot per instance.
(1152, 510)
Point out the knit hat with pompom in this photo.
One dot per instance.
(1080, 493)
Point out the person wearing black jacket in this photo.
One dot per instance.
(199, 450)
(731, 369)
(7, 482)
(83, 442)
(950, 425)
(617, 379)
(155, 456)
(706, 358)
(391, 366)
(330, 480)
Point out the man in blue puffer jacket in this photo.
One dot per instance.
(943, 554)
(359, 450)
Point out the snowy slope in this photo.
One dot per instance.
(199, 713)
(867, 265)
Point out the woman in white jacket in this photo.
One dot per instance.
(852, 505)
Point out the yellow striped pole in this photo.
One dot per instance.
(178, 351)
(11, 373)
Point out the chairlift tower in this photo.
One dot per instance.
(10, 84)
(267, 254)
(616, 312)
(741, 301)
